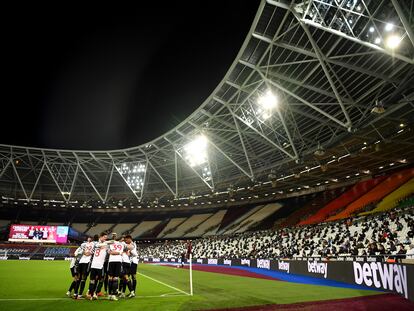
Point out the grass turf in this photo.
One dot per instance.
(42, 280)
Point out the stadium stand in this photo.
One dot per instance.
(80, 227)
(391, 200)
(171, 225)
(257, 217)
(234, 225)
(155, 231)
(232, 214)
(187, 226)
(386, 233)
(317, 202)
(341, 202)
(98, 228)
(377, 193)
(143, 227)
(121, 228)
(209, 226)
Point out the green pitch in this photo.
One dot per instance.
(41, 285)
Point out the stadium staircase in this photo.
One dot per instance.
(345, 199)
(376, 194)
(391, 200)
(318, 201)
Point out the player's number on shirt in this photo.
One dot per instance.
(117, 247)
(97, 252)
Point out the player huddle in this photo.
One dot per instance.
(110, 263)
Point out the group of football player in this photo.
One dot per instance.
(111, 264)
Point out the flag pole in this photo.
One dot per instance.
(191, 274)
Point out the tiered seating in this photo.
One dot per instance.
(172, 224)
(346, 198)
(211, 224)
(385, 233)
(377, 193)
(121, 228)
(155, 231)
(232, 214)
(233, 226)
(257, 217)
(98, 228)
(312, 206)
(187, 225)
(391, 200)
(144, 227)
(80, 227)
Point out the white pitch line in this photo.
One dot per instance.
(69, 299)
(175, 288)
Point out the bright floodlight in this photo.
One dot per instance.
(371, 29)
(196, 151)
(393, 41)
(377, 40)
(268, 101)
(389, 27)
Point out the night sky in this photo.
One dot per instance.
(106, 75)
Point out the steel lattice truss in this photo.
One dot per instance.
(326, 61)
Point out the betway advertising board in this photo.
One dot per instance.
(391, 277)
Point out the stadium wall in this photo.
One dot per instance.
(364, 271)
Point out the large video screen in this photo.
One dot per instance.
(39, 234)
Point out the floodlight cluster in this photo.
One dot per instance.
(195, 152)
(134, 174)
(351, 17)
(266, 104)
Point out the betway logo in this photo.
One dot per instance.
(212, 261)
(227, 262)
(392, 277)
(245, 262)
(318, 267)
(283, 266)
(263, 263)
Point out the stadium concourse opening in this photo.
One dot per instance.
(290, 187)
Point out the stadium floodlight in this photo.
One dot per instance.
(134, 174)
(371, 29)
(268, 101)
(389, 27)
(377, 40)
(393, 41)
(195, 152)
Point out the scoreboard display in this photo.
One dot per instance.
(38, 234)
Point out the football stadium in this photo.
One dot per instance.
(289, 187)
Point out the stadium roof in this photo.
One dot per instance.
(320, 92)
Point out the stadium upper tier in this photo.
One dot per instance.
(319, 93)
